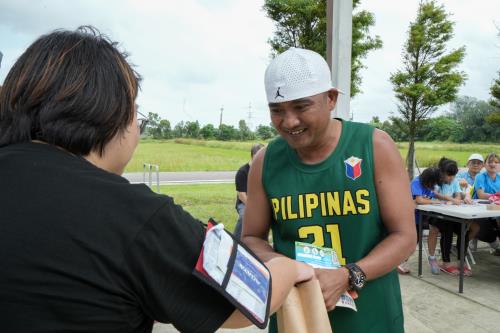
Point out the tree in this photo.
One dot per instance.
(152, 127)
(495, 92)
(165, 132)
(208, 132)
(470, 114)
(396, 128)
(429, 77)
(302, 23)
(244, 131)
(494, 117)
(375, 122)
(192, 129)
(441, 128)
(265, 132)
(227, 132)
(179, 130)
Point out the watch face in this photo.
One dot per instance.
(359, 280)
(357, 277)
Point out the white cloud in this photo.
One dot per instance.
(198, 55)
(474, 28)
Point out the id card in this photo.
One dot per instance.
(236, 273)
(316, 256)
(326, 258)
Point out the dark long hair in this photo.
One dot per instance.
(430, 177)
(447, 166)
(73, 89)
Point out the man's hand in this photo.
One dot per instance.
(333, 282)
(304, 272)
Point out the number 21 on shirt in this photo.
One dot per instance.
(318, 232)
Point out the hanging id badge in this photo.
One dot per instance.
(230, 267)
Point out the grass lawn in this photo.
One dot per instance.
(205, 201)
(186, 156)
(429, 153)
(218, 200)
(200, 155)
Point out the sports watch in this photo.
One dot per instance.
(357, 277)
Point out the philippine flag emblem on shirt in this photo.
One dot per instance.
(353, 167)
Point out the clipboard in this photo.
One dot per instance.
(236, 273)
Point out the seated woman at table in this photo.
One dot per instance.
(466, 178)
(449, 190)
(422, 190)
(486, 184)
(438, 183)
(445, 173)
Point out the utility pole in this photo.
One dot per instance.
(338, 51)
(250, 115)
(221, 110)
(184, 110)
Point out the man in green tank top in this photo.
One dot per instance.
(332, 183)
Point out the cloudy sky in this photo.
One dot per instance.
(197, 56)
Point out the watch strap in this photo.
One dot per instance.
(357, 277)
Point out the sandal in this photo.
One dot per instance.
(450, 270)
(403, 270)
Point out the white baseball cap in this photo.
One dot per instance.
(476, 157)
(296, 73)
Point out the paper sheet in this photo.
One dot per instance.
(304, 310)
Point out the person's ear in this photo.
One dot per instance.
(332, 96)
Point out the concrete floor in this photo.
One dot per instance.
(432, 303)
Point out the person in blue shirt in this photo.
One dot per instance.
(422, 193)
(474, 165)
(444, 190)
(422, 186)
(486, 184)
(449, 190)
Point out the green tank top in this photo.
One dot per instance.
(334, 204)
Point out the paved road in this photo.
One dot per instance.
(171, 178)
(193, 177)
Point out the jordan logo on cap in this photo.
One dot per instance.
(278, 94)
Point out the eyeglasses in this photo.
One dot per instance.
(141, 122)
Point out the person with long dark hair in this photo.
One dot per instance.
(449, 191)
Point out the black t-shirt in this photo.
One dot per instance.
(241, 180)
(84, 250)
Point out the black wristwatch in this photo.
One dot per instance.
(357, 277)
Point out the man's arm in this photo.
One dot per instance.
(257, 220)
(242, 196)
(396, 209)
(397, 213)
(255, 232)
(241, 180)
